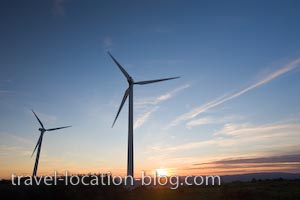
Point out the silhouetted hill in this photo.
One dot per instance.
(257, 186)
(259, 176)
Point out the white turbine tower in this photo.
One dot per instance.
(129, 92)
(39, 143)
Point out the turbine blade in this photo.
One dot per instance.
(121, 105)
(37, 144)
(52, 129)
(38, 119)
(120, 67)
(154, 81)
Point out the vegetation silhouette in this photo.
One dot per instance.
(251, 190)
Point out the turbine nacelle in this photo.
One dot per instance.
(39, 142)
(129, 94)
(130, 80)
(42, 129)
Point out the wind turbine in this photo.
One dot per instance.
(129, 92)
(39, 143)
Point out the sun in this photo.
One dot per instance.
(161, 172)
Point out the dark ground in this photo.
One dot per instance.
(259, 190)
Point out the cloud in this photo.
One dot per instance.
(238, 129)
(13, 144)
(108, 43)
(6, 150)
(210, 120)
(284, 163)
(45, 118)
(13, 139)
(5, 92)
(170, 94)
(266, 136)
(161, 98)
(166, 61)
(269, 77)
(215, 154)
(271, 159)
(144, 117)
(151, 105)
(59, 7)
(201, 121)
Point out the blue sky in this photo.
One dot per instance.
(237, 96)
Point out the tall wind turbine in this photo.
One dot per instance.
(39, 143)
(129, 92)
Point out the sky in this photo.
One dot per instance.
(235, 108)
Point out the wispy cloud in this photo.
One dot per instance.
(13, 138)
(161, 98)
(151, 104)
(166, 61)
(5, 92)
(12, 144)
(243, 134)
(284, 163)
(108, 43)
(213, 120)
(240, 128)
(59, 7)
(45, 118)
(251, 141)
(198, 122)
(269, 77)
(170, 94)
(144, 117)
(269, 159)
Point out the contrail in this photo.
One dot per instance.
(155, 102)
(199, 110)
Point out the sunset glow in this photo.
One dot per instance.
(234, 110)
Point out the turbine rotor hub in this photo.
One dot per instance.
(130, 80)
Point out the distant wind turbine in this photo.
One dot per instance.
(129, 92)
(39, 143)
